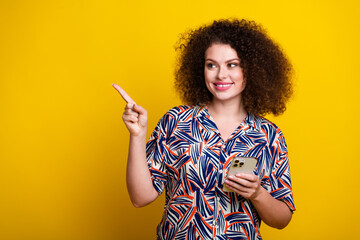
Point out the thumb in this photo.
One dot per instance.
(139, 109)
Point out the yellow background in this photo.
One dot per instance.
(63, 145)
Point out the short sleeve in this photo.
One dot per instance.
(157, 152)
(280, 177)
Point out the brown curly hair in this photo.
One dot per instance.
(267, 70)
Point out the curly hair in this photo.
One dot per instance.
(267, 70)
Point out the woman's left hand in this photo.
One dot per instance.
(246, 185)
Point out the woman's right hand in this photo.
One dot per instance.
(134, 116)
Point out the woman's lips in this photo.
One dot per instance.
(222, 86)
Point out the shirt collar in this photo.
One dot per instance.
(201, 111)
(251, 120)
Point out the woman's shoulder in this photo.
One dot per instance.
(182, 113)
(175, 115)
(266, 122)
(266, 125)
(269, 130)
(182, 110)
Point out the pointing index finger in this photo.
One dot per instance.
(123, 94)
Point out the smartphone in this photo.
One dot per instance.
(240, 165)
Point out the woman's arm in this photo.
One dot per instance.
(273, 212)
(138, 177)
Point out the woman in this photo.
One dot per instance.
(230, 73)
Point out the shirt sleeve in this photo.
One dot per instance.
(280, 177)
(156, 152)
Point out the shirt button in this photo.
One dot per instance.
(220, 171)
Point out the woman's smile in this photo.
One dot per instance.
(222, 86)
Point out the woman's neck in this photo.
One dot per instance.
(227, 116)
(220, 109)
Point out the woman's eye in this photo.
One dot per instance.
(231, 65)
(210, 65)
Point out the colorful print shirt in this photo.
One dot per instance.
(188, 158)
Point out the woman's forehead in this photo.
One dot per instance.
(221, 51)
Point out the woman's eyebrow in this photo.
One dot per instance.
(233, 59)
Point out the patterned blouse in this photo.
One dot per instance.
(188, 158)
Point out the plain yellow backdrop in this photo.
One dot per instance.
(63, 146)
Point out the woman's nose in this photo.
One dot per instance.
(222, 74)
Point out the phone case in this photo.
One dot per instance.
(240, 165)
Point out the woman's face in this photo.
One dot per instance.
(223, 75)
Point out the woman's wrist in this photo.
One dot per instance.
(260, 195)
(138, 135)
